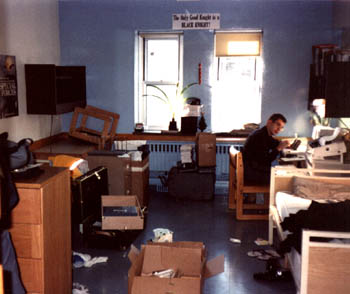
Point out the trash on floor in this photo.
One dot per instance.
(261, 242)
(162, 235)
(80, 289)
(274, 272)
(274, 275)
(236, 241)
(85, 260)
(262, 254)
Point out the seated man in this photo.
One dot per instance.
(261, 149)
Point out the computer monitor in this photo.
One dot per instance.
(321, 131)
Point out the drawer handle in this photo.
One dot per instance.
(98, 176)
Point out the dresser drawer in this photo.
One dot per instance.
(32, 274)
(28, 210)
(27, 240)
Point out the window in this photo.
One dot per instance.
(160, 71)
(237, 95)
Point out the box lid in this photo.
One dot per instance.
(214, 266)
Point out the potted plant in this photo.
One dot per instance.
(175, 103)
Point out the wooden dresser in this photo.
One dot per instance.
(41, 232)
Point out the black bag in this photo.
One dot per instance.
(191, 184)
(19, 153)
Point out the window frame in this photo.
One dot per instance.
(141, 78)
(251, 35)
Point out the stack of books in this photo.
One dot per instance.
(186, 153)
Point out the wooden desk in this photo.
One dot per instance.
(299, 161)
(62, 144)
(174, 137)
(41, 232)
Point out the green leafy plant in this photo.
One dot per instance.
(174, 103)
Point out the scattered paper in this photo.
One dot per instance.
(261, 242)
(162, 235)
(80, 289)
(85, 260)
(234, 240)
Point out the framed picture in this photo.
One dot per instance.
(8, 86)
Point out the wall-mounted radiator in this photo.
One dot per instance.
(164, 155)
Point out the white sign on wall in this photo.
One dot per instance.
(196, 21)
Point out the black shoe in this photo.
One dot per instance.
(273, 264)
(274, 275)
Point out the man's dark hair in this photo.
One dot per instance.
(277, 116)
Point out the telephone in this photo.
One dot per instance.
(295, 144)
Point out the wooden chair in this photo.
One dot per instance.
(1, 280)
(101, 138)
(237, 188)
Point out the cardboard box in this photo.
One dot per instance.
(119, 174)
(188, 259)
(121, 213)
(125, 176)
(140, 180)
(206, 149)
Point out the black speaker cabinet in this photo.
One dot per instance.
(54, 89)
(189, 125)
(86, 195)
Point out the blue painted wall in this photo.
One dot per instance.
(100, 34)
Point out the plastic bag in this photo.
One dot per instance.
(19, 153)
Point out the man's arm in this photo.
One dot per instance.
(283, 144)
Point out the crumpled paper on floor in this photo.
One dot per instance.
(85, 260)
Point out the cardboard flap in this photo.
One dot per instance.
(214, 266)
(178, 244)
(133, 253)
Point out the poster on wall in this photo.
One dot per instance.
(196, 21)
(8, 86)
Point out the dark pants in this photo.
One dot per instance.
(256, 177)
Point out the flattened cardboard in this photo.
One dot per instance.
(122, 222)
(140, 179)
(139, 284)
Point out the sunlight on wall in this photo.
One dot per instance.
(236, 96)
(235, 105)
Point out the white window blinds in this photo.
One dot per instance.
(238, 44)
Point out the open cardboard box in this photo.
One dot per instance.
(121, 222)
(187, 258)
